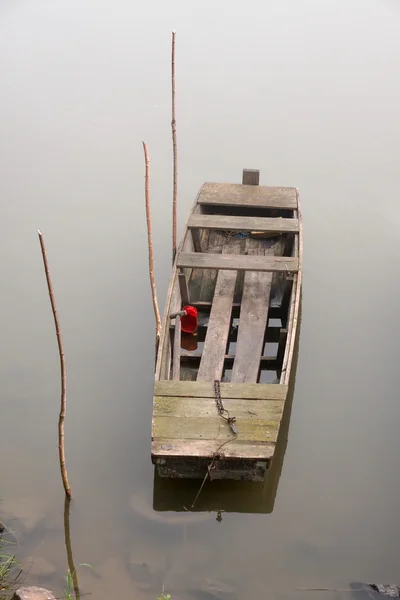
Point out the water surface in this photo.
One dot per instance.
(306, 91)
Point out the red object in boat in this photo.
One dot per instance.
(189, 322)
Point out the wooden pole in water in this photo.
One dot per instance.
(61, 418)
(68, 545)
(175, 152)
(150, 246)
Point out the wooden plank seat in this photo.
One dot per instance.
(232, 194)
(237, 262)
(237, 223)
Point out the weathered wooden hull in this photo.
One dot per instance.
(239, 264)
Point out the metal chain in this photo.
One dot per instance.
(231, 422)
(221, 410)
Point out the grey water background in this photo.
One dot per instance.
(309, 93)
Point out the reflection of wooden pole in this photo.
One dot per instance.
(175, 152)
(67, 534)
(61, 451)
(150, 246)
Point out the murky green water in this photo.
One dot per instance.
(306, 91)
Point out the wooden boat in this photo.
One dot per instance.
(219, 394)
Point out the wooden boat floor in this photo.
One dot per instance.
(252, 289)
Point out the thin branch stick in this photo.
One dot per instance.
(68, 545)
(61, 418)
(150, 246)
(175, 152)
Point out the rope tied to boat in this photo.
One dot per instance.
(221, 410)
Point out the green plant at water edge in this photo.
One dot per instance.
(164, 596)
(69, 589)
(10, 569)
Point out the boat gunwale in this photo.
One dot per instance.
(171, 286)
(292, 324)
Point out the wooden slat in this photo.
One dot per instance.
(286, 296)
(264, 224)
(176, 360)
(253, 317)
(252, 325)
(209, 428)
(183, 448)
(231, 194)
(212, 360)
(215, 244)
(205, 389)
(183, 287)
(237, 262)
(166, 406)
(196, 240)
